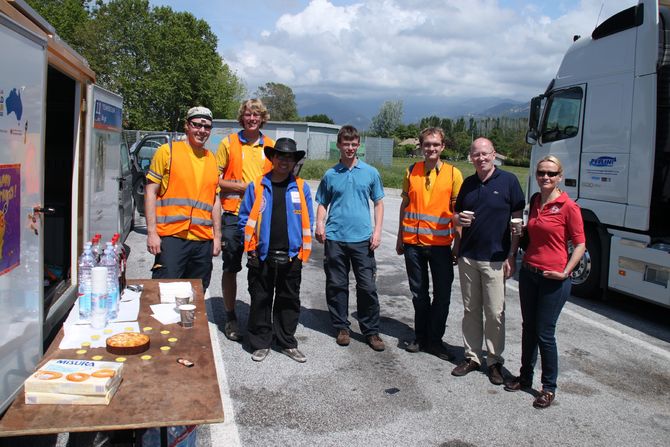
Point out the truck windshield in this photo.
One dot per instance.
(561, 117)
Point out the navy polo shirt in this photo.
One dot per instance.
(493, 201)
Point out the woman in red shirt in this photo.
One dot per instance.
(544, 280)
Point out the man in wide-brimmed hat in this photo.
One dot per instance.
(276, 217)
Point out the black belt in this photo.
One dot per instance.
(532, 269)
(278, 257)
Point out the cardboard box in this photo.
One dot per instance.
(77, 377)
(35, 398)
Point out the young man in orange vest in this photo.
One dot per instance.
(182, 206)
(425, 234)
(276, 217)
(241, 160)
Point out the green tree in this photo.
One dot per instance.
(280, 101)
(430, 121)
(160, 61)
(320, 118)
(387, 120)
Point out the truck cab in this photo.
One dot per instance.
(606, 115)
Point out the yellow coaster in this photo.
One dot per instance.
(96, 357)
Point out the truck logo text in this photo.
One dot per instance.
(602, 162)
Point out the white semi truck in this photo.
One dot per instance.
(61, 181)
(606, 115)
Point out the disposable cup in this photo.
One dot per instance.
(187, 315)
(469, 215)
(180, 300)
(517, 224)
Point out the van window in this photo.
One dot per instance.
(561, 116)
(146, 153)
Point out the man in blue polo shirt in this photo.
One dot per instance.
(486, 257)
(345, 193)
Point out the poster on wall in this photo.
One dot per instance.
(10, 229)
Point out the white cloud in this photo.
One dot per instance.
(391, 48)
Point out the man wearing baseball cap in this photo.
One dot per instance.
(182, 208)
(276, 218)
(241, 159)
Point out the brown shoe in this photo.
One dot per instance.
(343, 338)
(376, 342)
(465, 367)
(544, 400)
(495, 374)
(517, 384)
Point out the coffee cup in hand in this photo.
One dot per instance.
(517, 225)
(466, 217)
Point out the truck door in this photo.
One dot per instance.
(22, 102)
(103, 146)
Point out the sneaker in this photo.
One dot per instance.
(544, 400)
(259, 354)
(343, 337)
(516, 384)
(232, 330)
(413, 346)
(376, 342)
(495, 374)
(295, 354)
(465, 367)
(439, 351)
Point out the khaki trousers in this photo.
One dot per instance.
(483, 290)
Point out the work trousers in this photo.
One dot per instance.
(339, 257)
(430, 318)
(483, 290)
(182, 258)
(542, 300)
(280, 284)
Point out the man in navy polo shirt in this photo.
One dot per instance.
(345, 193)
(486, 257)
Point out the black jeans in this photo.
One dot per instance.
(182, 258)
(281, 282)
(430, 319)
(542, 300)
(339, 256)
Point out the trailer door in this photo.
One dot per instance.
(103, 149)
(22, 101)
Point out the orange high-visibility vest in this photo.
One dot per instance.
(252, 228)
(183, 206)
(428, 223)
(230, 202)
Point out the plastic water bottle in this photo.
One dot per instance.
(85, 264)
(108, 260)
(95, 247)
(98, 297)
(121, 255)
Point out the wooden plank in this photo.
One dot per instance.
(159, 393)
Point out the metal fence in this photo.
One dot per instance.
(379, 150)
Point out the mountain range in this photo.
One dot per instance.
(359, 111)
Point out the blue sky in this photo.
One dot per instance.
(394, 48)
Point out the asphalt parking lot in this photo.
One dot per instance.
(614, 379)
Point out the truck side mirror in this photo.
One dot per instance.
(531, 136)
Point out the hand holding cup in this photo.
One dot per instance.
(517, 226)
(465, 218)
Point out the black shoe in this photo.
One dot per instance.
(495, 374)
(516, 384)
(413, 346)
(465, 367)
(439, 351)
(232, 330)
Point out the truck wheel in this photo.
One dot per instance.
(586, 276)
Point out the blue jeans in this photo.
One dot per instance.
(541, 302)
(339, 256)
(430, 319)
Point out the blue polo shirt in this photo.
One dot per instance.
(493, 201)
(346, 193)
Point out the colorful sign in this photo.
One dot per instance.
(10, 208)
(107, 116)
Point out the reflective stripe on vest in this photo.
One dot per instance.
(429, 223)
(253, 225)
(230, 202)
(183, 206)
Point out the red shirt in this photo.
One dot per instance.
(549, 231)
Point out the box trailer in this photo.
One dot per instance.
(60, 182)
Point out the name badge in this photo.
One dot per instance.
(295, 196)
